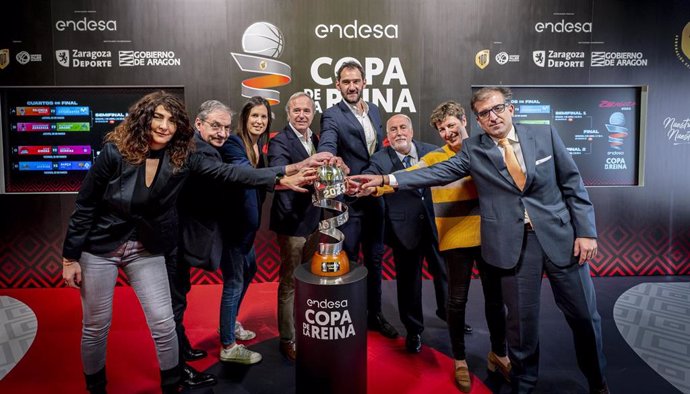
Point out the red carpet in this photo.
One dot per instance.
(53, 363)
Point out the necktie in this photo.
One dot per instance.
(407, 161)
(512, 163)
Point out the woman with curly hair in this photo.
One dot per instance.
(125, 217)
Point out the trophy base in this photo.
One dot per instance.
(330, 265)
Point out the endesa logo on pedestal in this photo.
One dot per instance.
(327, 320)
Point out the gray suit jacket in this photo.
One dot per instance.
(554, 196)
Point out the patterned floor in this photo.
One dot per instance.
(654, 319)
(18, 327)
(645, 325)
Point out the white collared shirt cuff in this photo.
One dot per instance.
(392, 181)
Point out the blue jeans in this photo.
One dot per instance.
(238, 270)
(149, 279)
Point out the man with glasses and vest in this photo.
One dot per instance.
(536, 218)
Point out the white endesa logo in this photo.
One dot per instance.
(86, 25)
(327, 304)
(355, 30)
(333, 323)
(563, 27)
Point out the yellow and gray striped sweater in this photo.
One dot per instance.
(456, 206)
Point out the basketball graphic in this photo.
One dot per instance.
(263, 43)
(617, 130)
(263, 38)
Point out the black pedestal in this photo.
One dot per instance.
(331, 331)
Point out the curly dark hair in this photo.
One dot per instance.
(243, 131)
(133, 135)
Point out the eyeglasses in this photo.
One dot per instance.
(496, 109)
(215, 126)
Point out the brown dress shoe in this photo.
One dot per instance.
(289, 350)
(493, 363)
(462, 379)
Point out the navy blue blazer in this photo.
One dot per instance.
(408, 216)
(292, 213)
(343, 135)
(554, 195)
(242, 213)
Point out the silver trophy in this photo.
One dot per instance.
(330, 260)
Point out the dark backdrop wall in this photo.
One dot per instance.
(416, 55)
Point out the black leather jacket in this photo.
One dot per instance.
(103, 219)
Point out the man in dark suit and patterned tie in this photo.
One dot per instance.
(410, 230)
(536, 218)
(352, 129)
(294, 218)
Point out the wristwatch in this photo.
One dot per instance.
(279, 176)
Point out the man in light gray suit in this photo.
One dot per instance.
(536, 217)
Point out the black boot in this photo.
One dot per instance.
(193, 379)
(95, 383)
(170, 380)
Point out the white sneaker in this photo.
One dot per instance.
(242, 334)
(239, 354)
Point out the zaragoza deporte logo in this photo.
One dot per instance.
(262, 44)
(682, 45)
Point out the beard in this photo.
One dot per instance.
(402, 147)
(359, 97)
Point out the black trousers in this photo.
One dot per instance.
(460, 262)
(180, 285)
(408, 271)
(364, 230)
